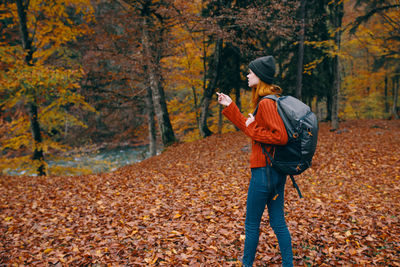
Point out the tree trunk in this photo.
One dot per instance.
(204, 130)
(238, 100)
(22, 7)
(299, 78)
(309, 101)
(386, 95)
(209, 91)
(195, 104)
(328, 83)
(38, 156)
(220, 118)
(151, 123)
(157, 90)
(329, 106)
(167, 133)
(395, 97)
(317, 112)
(337, 17)
(335, 94)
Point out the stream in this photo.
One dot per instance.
(103, 161)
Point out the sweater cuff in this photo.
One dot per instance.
(250, 128)
(229, 108)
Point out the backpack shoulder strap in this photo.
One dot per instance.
(296, 186)
(273, 97)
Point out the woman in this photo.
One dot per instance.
(266, 185)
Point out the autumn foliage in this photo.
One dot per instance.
(187, 207)
(39, 82)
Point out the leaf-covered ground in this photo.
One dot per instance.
(187, 207)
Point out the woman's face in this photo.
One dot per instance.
(253, 80)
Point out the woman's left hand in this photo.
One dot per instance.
(250, 119)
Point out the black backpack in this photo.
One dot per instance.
(302, 129)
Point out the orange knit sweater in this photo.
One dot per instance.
(267, 128)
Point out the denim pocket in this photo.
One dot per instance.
(259, 179)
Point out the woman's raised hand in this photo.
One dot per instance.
(224, 99)
(250, 119)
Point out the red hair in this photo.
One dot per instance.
(262, 89)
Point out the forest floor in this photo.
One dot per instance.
(187, 207)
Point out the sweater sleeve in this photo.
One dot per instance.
(268, 126)
(233, 114)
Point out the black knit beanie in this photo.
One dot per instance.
(264, 68)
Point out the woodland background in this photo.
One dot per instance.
(79, 75)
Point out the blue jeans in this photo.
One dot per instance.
(265, 183)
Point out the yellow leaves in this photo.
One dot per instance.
(364, 86)
(184, 117)
(134, 231)
(174, 233)
(20, 140)
(151, 260)
(51, 89)
(177, 215)
(8, 11)
(40, 81)
(8, 219)
(52, 24)
(98, 253)
(308, 68)
(160, 186)
(5, 13)
(327, 46)
(47, 250)
(364, 93)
